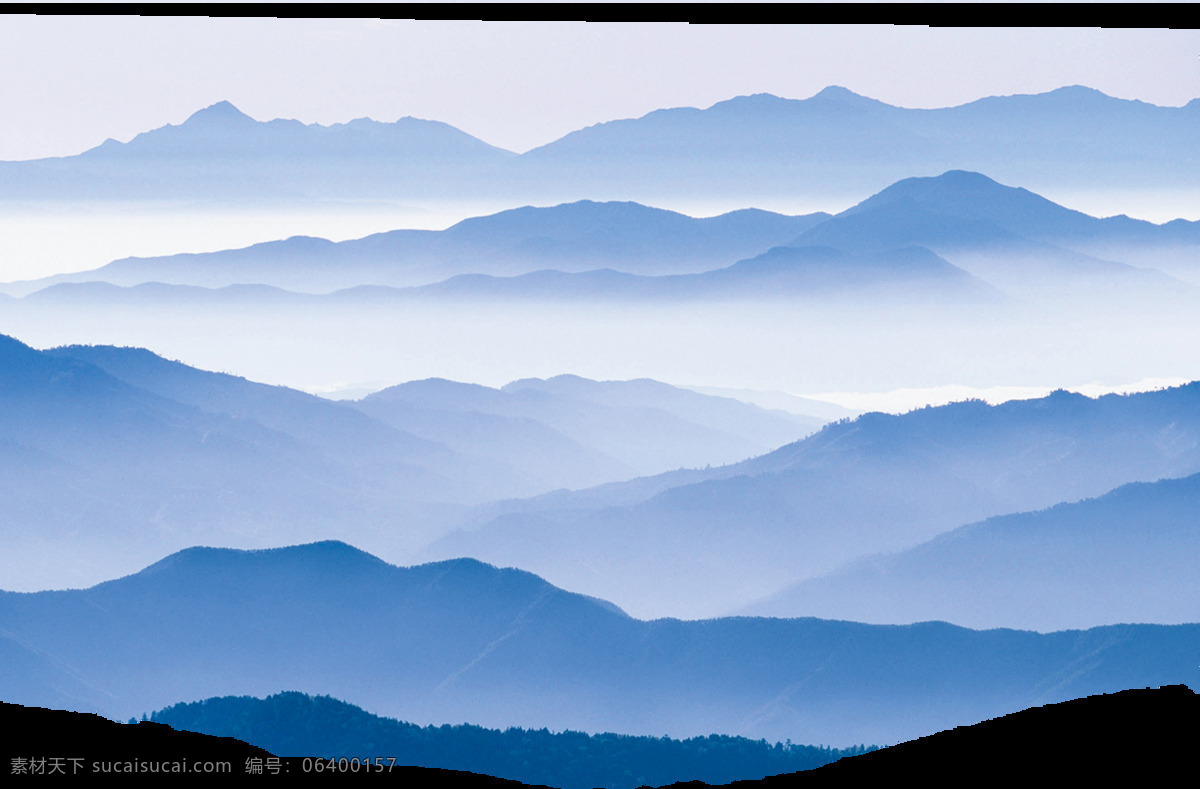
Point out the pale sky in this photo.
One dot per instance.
(68, 83)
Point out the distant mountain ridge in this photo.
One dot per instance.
(574, 237)
(113, 455)
(784, 274)
(957, 238)
(643, 427)
(1123, 556)
(109, 455)
(758, 144)
(225, 131)
(219, 152)
(160, 455)
(877, 483)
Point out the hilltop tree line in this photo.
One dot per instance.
(295, 724)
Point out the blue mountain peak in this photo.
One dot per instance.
(326, 556)
(844, 96)
(1078, 90)
(958, 182)
(222, 113)
(837, 92)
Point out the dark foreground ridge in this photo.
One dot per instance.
(38, 742)
(1134, 734)
(1141, 736)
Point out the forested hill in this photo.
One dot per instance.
(295, 724)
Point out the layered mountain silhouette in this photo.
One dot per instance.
(219, 152)
(764, 144)
(638, 427)
(693, 542)
(1122, 557)
(113, 455)
(150, 295)
(572, 237)
(910, 242)
(463, 641)
(835, 142)
(782, 275)
(1077, 511)
(102, 472)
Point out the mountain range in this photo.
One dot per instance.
(958, 238)
(834, 143)
(112, 455)
(873, 579)
(695, 541)
(221, 152)
(115, 454)
(645, 425)
(463, 641)
(1125, 556)
(574, 237)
